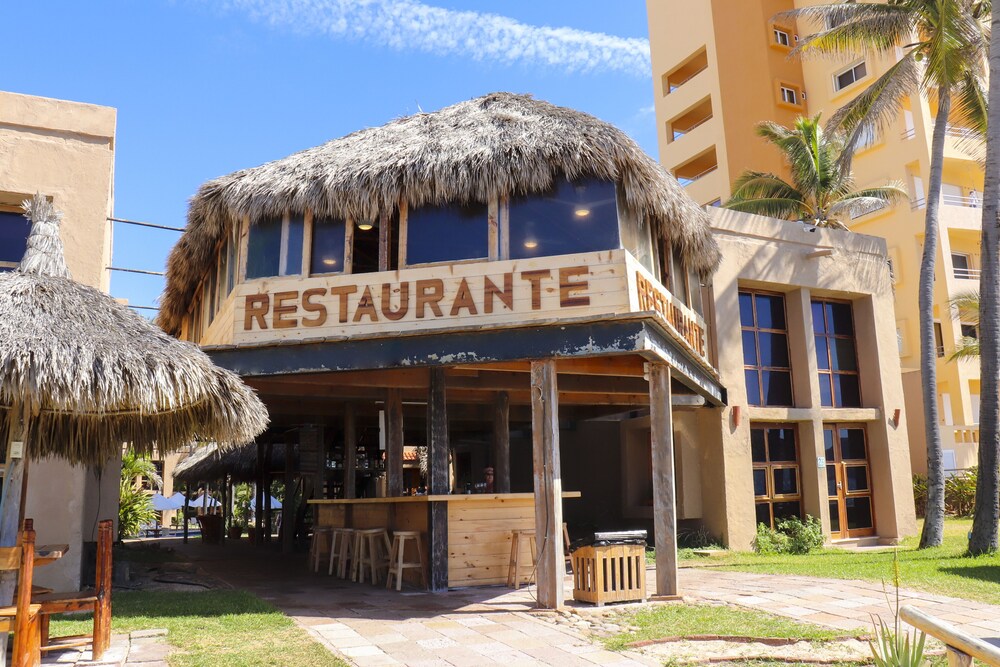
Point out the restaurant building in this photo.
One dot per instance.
(65, 151)
(516, 286)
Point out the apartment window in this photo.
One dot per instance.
(836, 355)
(781, 37)
(766, 365)
(962, 265)
(776, 480)
(938, 340)
(970, 331)
(14, 228)
(789, 95)
(275, 247)
(849, 76)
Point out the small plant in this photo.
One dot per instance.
(696, 538)
(893, 647)
(793, 536)
(134, 507)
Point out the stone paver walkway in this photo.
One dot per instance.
(143, 648)
(838, 603)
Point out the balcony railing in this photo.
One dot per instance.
(967, 274)
(908, 133)
(965, 201)
(672, 86)
(680, 133)
(962, 132)
(688, 180)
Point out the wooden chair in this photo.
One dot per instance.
(98, 601)
(23, 617)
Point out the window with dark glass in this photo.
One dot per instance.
(848, 480)
(274, 247)
(14, 228)
(836, 357)
(447, 234)
(938, 340)
(675, 277)
(766, 365)
(776, 481)
(581, 216)
(328, 237)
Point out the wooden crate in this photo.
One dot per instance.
(613, 573)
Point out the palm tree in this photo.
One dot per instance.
(822, 189)
(983, 538)
(942, 47)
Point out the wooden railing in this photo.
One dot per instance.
(961, 647)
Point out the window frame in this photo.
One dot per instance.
(837, 87)
(776, 32)
(759, 368)
(829, 371)
(794, 93)
(769, 467)
(284, 271)
(10, 266)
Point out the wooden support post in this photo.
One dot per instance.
(265, 492)
(102, 610)
(288, 504)
(394, 442)
(10, 524)
(437, 455)
(258, 515)
(551, 568)
(664, 499)
(350, 451)
(384, 242)
(187, 507)
(501, 441)
(225, 507)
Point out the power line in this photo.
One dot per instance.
(145, 273)
(146, 224)
(143, 307)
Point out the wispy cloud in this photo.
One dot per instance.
(409, 24)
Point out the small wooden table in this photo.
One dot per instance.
(49, 553)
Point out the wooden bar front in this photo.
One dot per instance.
(479, 527)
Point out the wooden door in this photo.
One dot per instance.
(849, 484)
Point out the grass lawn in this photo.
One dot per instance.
(685, 620)
(945, 569)
(213, 629)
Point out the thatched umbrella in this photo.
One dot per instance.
(210, 462)
(81, 374)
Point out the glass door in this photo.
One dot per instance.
(848, 481)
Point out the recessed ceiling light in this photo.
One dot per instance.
(365, 226)
(330, 261)
(530, 244)
(581, 212)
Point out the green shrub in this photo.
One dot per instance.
(793, 536)
(696, 538)
(920, 494)
(803, 536)
(959, 493)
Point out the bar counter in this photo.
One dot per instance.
(479, 527)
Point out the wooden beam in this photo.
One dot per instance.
(438, 449)
(394, 442)
(258, 520)
(288, 503)
(548, 484)
(384, 241)
(664, 497)
(265, 492)
(350, 451)
(501, 442)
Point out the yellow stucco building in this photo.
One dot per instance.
(65, 151)
(721, 67)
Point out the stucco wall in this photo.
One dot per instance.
(788, 257)
(65, 150)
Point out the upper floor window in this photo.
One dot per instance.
(328, 242)
(849, 76)
(14, 229)
(789, 95)
(766, 365)
(274, 247)
(447, 233)
(572, 217)
(836, 357)
(781, 37)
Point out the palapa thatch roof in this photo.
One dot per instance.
(498, 144)
(84, 374)
(210, 462)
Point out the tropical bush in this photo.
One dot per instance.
(134, 507)
(959, 493)
(242, 495)
(792, 536)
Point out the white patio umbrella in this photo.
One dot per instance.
(275, 504)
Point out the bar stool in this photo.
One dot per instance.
(371, 550)
(341, 545)
(397, 562)
(514, 570)
(322, 535)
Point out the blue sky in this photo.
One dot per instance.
(205, 87)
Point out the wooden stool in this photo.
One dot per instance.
(397, 564)
(345, 553)
(371, 550)
(514, 570)
(322, 535)
(341, 545)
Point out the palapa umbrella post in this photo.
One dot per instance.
(81, 374)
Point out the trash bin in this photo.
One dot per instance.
(610, 567)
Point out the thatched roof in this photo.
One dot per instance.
(501, 143)
(209, 463)
(83, 373)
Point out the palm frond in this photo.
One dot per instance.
(856, 27)
(969, 106)
(965, 307)
(965, 349)
(766, 194)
